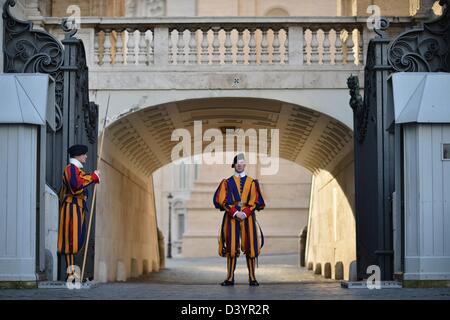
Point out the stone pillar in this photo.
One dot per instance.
(247, 8)
(303, 236)
(425, 10)
(161, 244)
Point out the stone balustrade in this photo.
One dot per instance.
(226, 41)
(228, 44)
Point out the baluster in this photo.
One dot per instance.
(228, 59)
(142, 53)
(276, 47)
(179, 57)
(107, 47)
(216, 46)
(205, 47)
(360, 48)
(264, 48)
(180, 48)
(350, 44)
(252, 47)
(131, 57)
(305, 47)
(97, 58)
(193, 47)
(240, 48)
(314, 47)
(286, 49)
(338, 56)
(150, 49)
(326, 55)
(119, 48)
(171, 54)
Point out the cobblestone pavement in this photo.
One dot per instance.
(279, 276)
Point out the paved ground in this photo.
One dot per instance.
(280, 278)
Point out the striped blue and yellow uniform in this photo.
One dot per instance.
(238, 235)
(73, 195)
(239, 194)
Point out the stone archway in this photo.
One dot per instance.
(139, 142)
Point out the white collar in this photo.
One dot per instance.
(242, 174)
(76, 162)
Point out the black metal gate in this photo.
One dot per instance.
(30, 51)
(374, 179)
(423, 49)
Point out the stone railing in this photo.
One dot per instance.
(207, 41)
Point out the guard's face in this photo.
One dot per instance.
(82, 158)
(239, 166)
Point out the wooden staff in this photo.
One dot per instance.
(94, 193)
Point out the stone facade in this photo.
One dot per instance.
(149, 8)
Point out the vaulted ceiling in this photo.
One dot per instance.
(308, 138)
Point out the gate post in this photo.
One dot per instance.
(374, 165)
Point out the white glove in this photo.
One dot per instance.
(240, 215)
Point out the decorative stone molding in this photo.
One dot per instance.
(145, 8)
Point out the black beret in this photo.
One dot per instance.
(240, 156)
(77, 150)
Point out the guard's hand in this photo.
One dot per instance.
(97, 173)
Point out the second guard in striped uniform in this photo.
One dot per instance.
(72, 201)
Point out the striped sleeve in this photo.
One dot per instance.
(256, 201)
(220, 196)
(222, 199)
(77, 180)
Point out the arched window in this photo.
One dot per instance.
(277, 12)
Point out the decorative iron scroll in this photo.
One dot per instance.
(425, 49)
(31, 51)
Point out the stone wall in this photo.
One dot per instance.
(331, 243)
(266, 7)
(104, 8)
(126, 240)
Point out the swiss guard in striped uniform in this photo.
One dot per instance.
(72, 201)
(239, 196)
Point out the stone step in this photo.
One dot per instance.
(363, 285)
(64, 285)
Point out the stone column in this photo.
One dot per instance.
(425, 11)
(32, 13)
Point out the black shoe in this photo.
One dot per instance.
(227, 283)
(253, 283)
